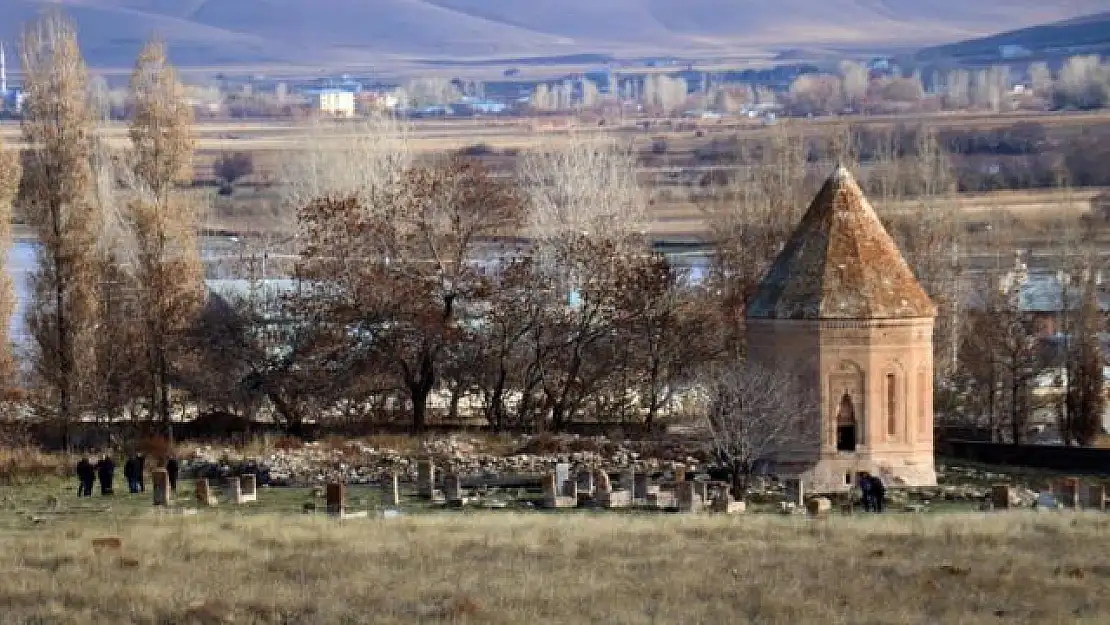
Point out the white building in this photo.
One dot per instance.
(335, 102)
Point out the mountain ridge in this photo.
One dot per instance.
(336, 32)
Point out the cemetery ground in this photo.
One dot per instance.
(269, 562)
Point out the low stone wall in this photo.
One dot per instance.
(1053, 457)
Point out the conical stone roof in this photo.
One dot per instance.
(840, 263)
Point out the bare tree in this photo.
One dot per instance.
(1086, 398)
(10, 174)
(752, 413)
(167, 267)
(58, 204)
(396, 271)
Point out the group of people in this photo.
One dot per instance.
(873, 492)
(134, 470)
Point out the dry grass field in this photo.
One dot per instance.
(574, 568)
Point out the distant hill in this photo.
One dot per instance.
(335, 32)
(1088, 34)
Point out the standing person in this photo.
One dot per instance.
(878, 492)
(171, 472)
(86, 475)
(106, 471)
(141, 459)
(131, 474)
(866, 495)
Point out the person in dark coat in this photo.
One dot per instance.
(86, 475)
(866, 496)
(878, 493)
(106, 471)
(171, 472)
(141, 475)
(131, 474)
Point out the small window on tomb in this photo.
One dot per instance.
(891, 406)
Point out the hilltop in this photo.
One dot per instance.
(1089, 34)
(336, 32)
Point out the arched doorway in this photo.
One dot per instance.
(846, 425)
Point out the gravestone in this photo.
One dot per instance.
(819, 506)
(1067, 492)
(680, 474)
(686, 498)
(701, 489)
(640, 486)
(795, 492)
(602, 482)
(585, 482)
(723, 503)
(1001, 496)
(627, 480)
(162, 494)
(234, 490)
(336, 499)
(554, 495)
(425, 478)
(562, 473)
(205, 497)
(452, 488)
(1093, 497)
(249, 487)
(391, 485)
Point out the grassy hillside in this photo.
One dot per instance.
(219, 32)
(1089, 34)
(574, 568)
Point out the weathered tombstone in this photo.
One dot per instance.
(680, 474)
(701, 490)
(425, 478)
(818, 506)
(602, 482)
(234, 490)
(392, 495)
(723, 503)
(249, 487)
(452, 488)
(562, 473)
(1067, 492)
(585, 482)
(337, 499)
(795, 492)
(552, 495)
(627, 480)
(1001, 496)
(1093, 497)
(686, 498)
(205, 497)
(640, 486)
(162, 494)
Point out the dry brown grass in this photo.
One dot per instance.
(25, 464)
(486, 568)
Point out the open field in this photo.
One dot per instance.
(575, 568)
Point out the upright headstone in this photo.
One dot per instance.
(795, 492)
(452, 488)
(249, 487)
(602, 483)
(640, 486)
(680, 474)
(1067, 492)
(685, 497)
(337, 499)
(205, 497)
(551, 490)
(1001, 496)
(585, 482)
(701, 490)
(425, 478)
(162, 494)
(234, 490)
(392, 494)
(562, 473)
(627, 480)
(1093, 497)
(570, 489)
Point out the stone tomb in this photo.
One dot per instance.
(687, 497)
(585, 483)
(163, 496)
(453, 490)
(555, 495)
(606, 497)
(336, 495)
(640, 483)
(205, 497)
(723, 503)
